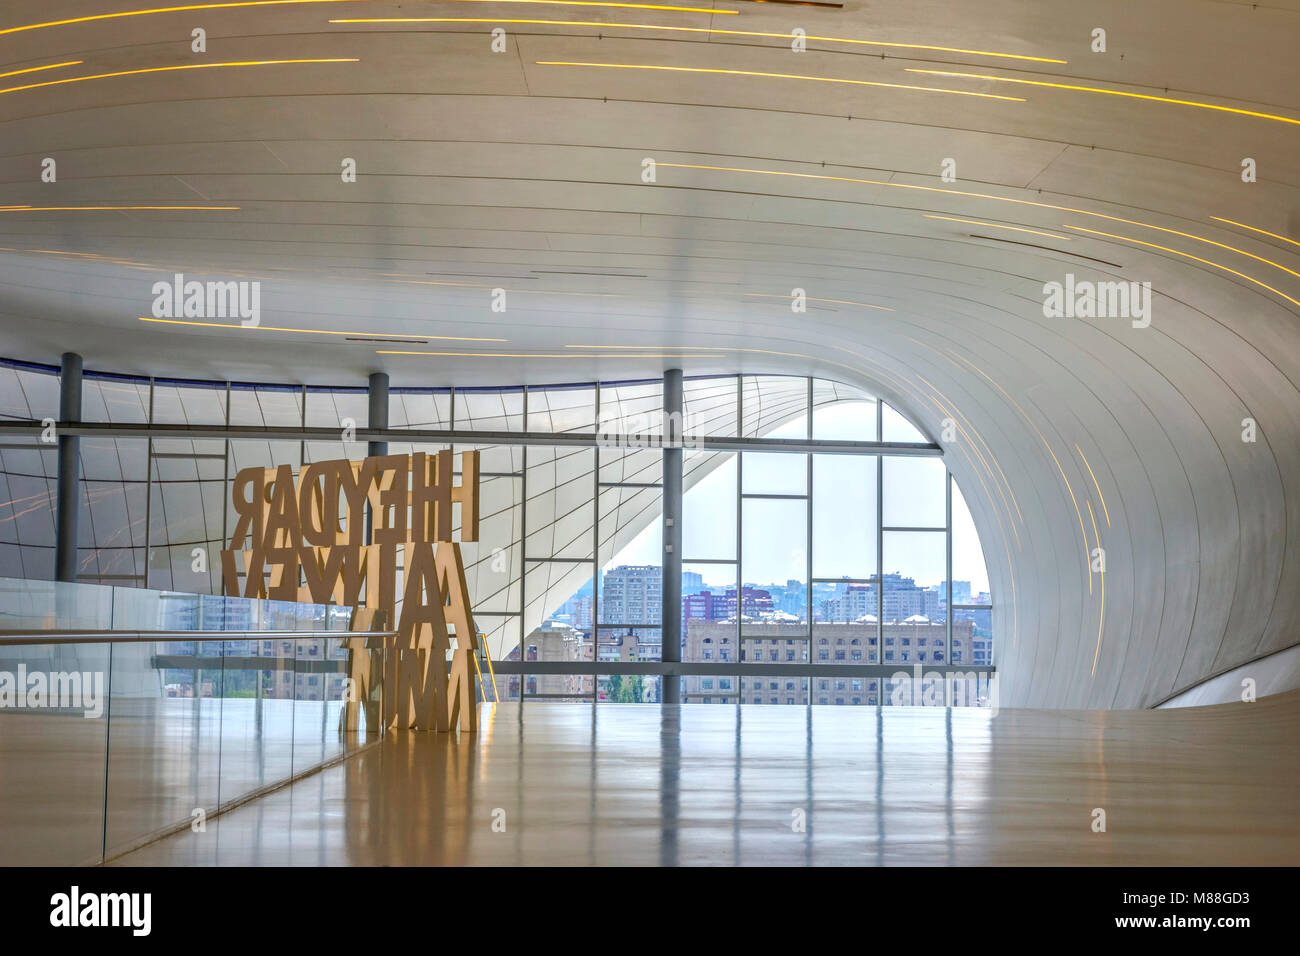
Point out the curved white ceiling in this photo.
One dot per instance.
(481, 170)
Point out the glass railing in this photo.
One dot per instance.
(126, 714)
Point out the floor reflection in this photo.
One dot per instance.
(581, 784)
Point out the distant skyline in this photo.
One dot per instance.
(774, 538)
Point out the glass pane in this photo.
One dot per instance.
(970, 577)
(914, 493)
(340, 411)
(774, 690)
(562, 409)
(972, 636)
(631, 526)
(557, 642)
(639, 465)
(709, 505)
(52, 758)
(774, 553)
(852, 642)
(709, 612)
(490, 409)
(713, 689)
(771, 401)
(844, 516)
(632, 409)
(265, 405)
(841, 413)
(492, 564)
(165, 740)
(119, 400)
(561, 514)
(895, 427)
(419, 408)
(850, 691)
(774, 642)
(28, 393)
(847, 602)
(197, 404)
(629, 645)
(914, 577)
(631, 594)
(775, 473)
(548, 584)
(710, 406)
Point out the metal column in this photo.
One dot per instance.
(378, 417)
(65, 541)
(671, 618)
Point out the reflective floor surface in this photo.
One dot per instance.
(72, 788)
(577, 784)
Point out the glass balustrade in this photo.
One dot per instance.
(109, 742)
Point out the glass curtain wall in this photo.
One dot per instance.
(836, 559)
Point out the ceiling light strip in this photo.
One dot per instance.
(272, 328)
(167, 69)
(1097, 89)
(1263, 232)
(285, 3)
(975, 195)
(37, 69)
(1188, 255)
(710, 30)
(777, 76)
(117, 208)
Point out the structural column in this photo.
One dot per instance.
(65, 539)
(671, 589)
(378, 393)
(377, 417)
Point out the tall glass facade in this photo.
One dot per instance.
(788, 557)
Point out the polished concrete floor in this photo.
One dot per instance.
(640, 784)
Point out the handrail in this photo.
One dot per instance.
(136, 637)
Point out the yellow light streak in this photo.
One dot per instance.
(83, 208)
(1100, 496)
(776, 76)
(1019, 202)
(996, 225)
(37, 69)
(285, 3)
(710, 30)
(1188, 255)
(168, 69)
(1097, 89)
(1254, 229)
(272, 328)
